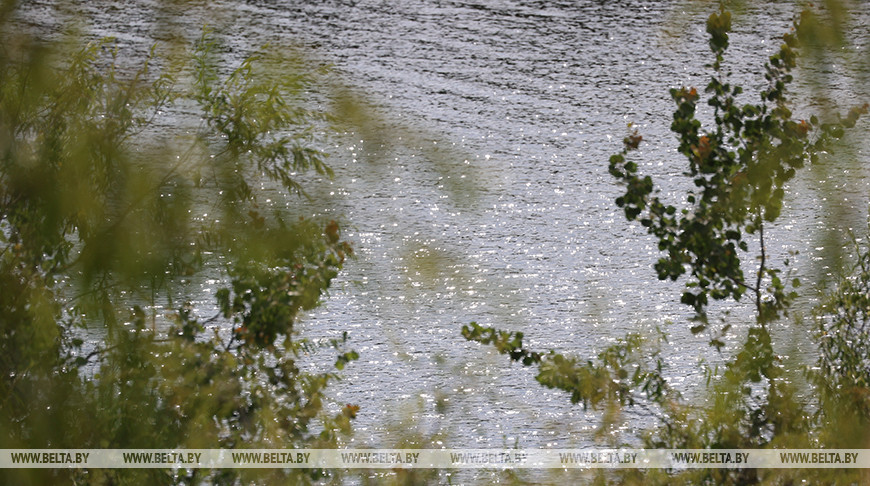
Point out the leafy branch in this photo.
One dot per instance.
(739, 168)
(615, 376)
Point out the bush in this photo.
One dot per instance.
(740, 168)
(107, 222)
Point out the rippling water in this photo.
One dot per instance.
(493, 202)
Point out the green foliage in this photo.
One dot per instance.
(740, 168)
(843, 328)
(616, 376)
(248, 109)
(106, 224)
(842, 377)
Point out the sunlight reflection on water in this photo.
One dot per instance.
(525, 103)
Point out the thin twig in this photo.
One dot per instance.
(761, 267)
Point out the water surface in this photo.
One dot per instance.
(486, 198)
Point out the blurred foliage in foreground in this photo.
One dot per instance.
(740, 167)
(109, 222)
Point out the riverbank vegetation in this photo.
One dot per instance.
(112, 223)
(714, 240)
(109, 223)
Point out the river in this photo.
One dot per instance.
(486, 196)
